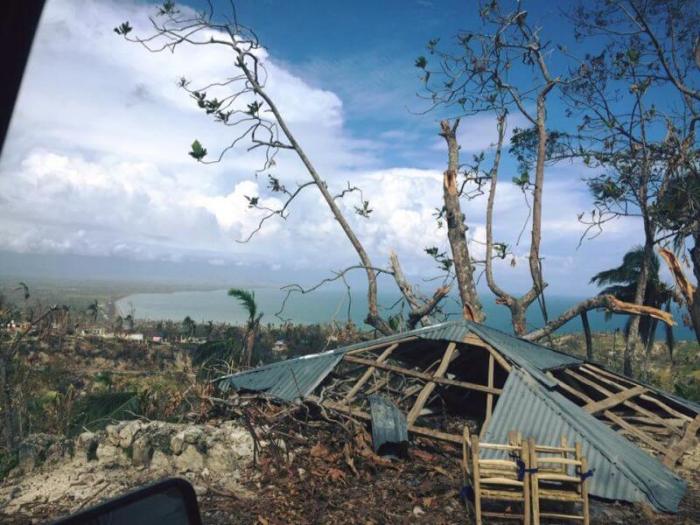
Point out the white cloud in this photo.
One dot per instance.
(96, 164)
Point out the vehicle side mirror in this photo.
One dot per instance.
(171, 502)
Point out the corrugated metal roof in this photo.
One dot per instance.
(528, 404)
(622, 470)
(388, 422)
(534, 358)
(289, 380)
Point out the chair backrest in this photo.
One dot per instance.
(562, 459)
(515, 456)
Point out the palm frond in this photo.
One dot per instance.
(626, 273)
(247, 300)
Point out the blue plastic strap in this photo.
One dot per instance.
(587, 474)
(467, 493)
(521, 467)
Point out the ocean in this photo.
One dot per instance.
(324, 306)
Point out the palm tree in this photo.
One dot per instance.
(189, 326)
(247, 300)
(94, 310)
(622, 283)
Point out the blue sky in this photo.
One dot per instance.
(96, 162)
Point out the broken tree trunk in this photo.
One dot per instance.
(689, 293)
(456, 229)
(600, 301)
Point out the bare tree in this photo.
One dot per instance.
(501, 70)
(477, 78)
(639, 99)
(248, 110)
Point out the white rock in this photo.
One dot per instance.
(141, 451)
(190, 460)
(177, 443)
(128, 432)
(161, 462)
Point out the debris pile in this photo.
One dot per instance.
(436, 380)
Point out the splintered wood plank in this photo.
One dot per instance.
(646, 397)
(679, 448)
(369, 373)
(613, 400)
(474, 340)
(450, 354)
(628, 403)
(422, 375)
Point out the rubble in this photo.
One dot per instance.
(62, 476)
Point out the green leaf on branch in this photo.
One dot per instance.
(198, 152)
(365, 210)
(168, 8)
(421, 62)
(254, 108)
(123, 29)
(523, 180)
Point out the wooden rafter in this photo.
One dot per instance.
(634, 406)
(415, 429)
(423, 375)
(489, 398)
(474, 340)
(450, 354)
(611, 416)
(641, 420)
(380, 345)
(369, 372)
(675, 453)
(614, 400)
(615, 380)
(631, 429)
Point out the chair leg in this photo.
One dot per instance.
(534, 484)
(526, 485)
(584, 491)
(475, 453)
(477, 508)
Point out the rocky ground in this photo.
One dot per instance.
(267, 464)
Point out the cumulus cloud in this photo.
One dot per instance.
(96, 164)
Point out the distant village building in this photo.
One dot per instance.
(134, 337)
(280, 346)
(93, 332)
(18, 326)
(157, 339)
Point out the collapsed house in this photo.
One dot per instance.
(433, 381)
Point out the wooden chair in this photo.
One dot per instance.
(558, 474)
(503, 480)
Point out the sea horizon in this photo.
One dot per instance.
(331, 305)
